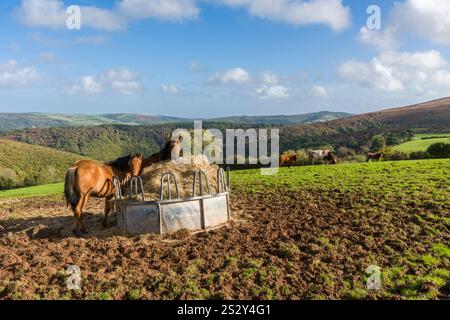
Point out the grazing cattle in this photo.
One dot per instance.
(88, 178)
(324, 155)
(288, 160)
(374, 156)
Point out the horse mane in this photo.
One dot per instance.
(166, 152)
(120, 163)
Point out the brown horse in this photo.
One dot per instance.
(173, 147)
(288, 160)
(374, 156)
(88, 178)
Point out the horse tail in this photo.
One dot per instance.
(69, 188)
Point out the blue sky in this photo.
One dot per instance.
(221, 57)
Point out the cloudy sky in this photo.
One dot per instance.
(206, 58)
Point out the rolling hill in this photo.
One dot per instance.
(25, 165)
(396, 125)
(15, 121)
(307, 118)
(354, 133)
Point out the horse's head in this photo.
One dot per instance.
(135, 164)
(334, 159)
(174, 146)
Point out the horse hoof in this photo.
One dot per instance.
(77, 233)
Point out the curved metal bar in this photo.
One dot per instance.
(229, 178)
(167, 176)
(135, 183)
(117, 188)
(221, 184)
(200, 173)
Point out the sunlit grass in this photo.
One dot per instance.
(35, 191)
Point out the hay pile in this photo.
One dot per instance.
(151, 177)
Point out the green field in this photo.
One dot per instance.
(422, 141)
(401, 210)
(419, 144)
(35, 191)
(419, 180)
(419, 136)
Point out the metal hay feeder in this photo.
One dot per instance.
(201, 211)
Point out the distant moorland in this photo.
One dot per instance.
(13, 121)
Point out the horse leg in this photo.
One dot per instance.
(82, 217)
(107, 210)
(77, 216)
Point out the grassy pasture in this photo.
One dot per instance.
(422, 141)
(35, 191)
(378, 197)
(420, 136)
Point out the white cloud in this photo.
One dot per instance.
(396, 71)
(102, 19)
(169, 10)
(120, 80)
(428, 60)
(169, 89)
(269, 77)
(427, 18)
(52, 13)
(236, 76)
(11, 75)
(42, 13)
(331, 13)
(86, 84)
(384, 39)
(372, 75)
(319, 92)
(272, 92)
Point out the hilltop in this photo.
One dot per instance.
(395, 124)
(17, 121)
(25, 165)
(13, 121)
(307, 118)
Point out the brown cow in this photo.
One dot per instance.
(374, 156)
(288, 160)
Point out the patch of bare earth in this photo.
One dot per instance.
(283, 247)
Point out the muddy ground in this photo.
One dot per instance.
(283, 246)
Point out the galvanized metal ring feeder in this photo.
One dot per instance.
(202, 211)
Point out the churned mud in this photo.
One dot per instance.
(283, 245)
